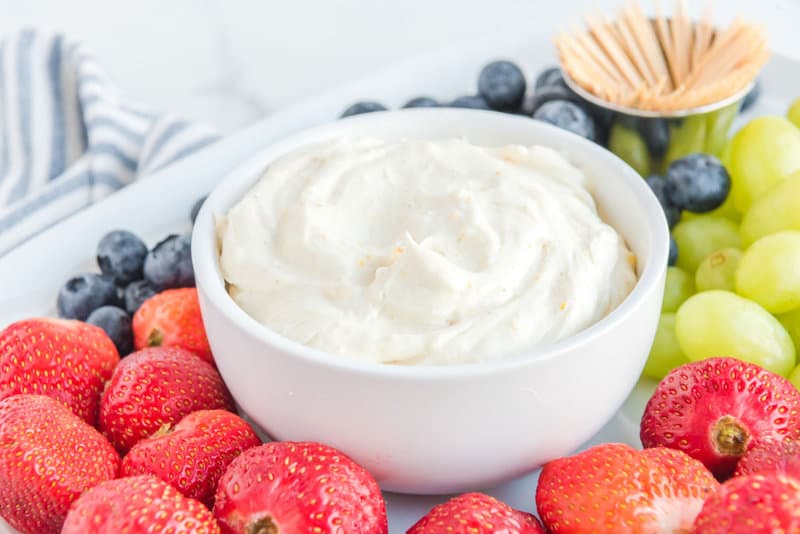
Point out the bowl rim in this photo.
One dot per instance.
(590, 97)
(209, 278)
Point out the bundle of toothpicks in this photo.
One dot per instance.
(660, 63)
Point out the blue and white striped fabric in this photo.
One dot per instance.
(68, 137)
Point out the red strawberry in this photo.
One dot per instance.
(172, 319)
(770, 456)
(193, 454)
(476, 513)
(66, 360)
(715, 409)
(48, 457)
(156, 387)
(138, 505)
(752, 504)
(615, 488)
(288, 487)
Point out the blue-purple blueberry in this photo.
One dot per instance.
(658, 185)
(169, 264)
(656, 135)
(135, 294)
(502, 85)
(567, 115)
(422, 102)
(366, 106)
(117, 324)
(698, 183)
(550, 77)
(84, 293)
(550, 93)
(120, 255)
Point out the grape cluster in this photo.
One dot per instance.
(735, 287)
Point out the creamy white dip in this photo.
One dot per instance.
(423, 252)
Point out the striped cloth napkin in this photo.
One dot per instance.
(68, 137)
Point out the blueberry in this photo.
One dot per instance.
(550, 85)
(117, 324)
(421, 102)
(603, 121)
(120, 254)
(673, 251)
(568, 116)
(630, 122)
(502, 85)
(658, 185)
(697, 183)
(470, 102)
(169, 264)
(196, 208)
(751, 97)
(550, 77)
(655, 133)
(366, 106)
(83, 294)
(550, 93)
(602, 116)
(135, 294)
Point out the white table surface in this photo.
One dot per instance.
(232, 62)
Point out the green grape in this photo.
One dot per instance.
(775, 211)
(769, 272)
(629, 145)
(665, 354)
(718, 124)
(794, 378)
(765, 151)
(717, 270)
(686, 138)
(791, 322)
(794, 113)
(679, 287)
(721, 323)
(700, 236)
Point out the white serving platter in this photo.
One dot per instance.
(31, 275)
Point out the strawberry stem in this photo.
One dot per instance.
(155, 338)
(262, 526)
(730, 437)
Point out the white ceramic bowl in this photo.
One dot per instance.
(450, 428)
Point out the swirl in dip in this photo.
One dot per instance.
(423, 252)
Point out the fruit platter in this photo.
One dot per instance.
(120, 409)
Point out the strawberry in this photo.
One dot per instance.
(156, 387)
(48, 457)
(138, 505)
(615, 488)
(193, 454)
(66, 360)
(770, 456)
(476, 513)
(288, 487)
(752, 504)
(715, 409)
(172, 319)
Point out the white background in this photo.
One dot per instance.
(230, 63)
